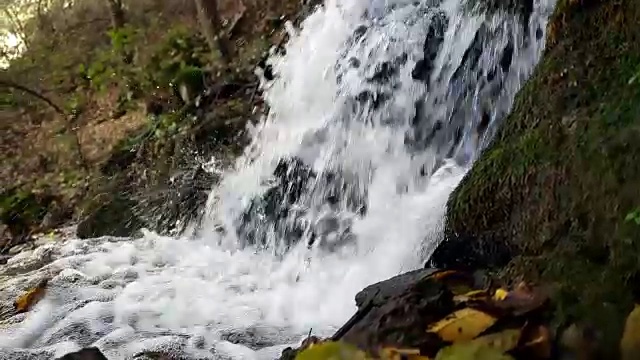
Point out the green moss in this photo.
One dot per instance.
(562, 173)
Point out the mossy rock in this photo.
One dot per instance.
(556, 184)
(114, 217)
(22, 210)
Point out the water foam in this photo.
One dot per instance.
(198, 296)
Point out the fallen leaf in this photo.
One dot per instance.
(522, 300)
(474, 295)
(462, 325)
(500, 294)
(390, 353)
(537, 341)
(456, 281)
(471, 351)
(444, 274)
(332, 350)
(630, 342)
(503, 341)
(26, 301)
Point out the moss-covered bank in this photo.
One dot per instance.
(562, 174)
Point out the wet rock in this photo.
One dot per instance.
(181, 202)
(386, 70)
(21, 211)
(435, 37)
(4, 259)
(297, 190)
(11, 354)
(17, 249)
(256, 338)
(91, 353)
(466, 253)
(373, 99)
(113, 218)
(396, 312)
(291, 180)
(522, 8)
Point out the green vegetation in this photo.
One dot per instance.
(561, 176)
(110, 96)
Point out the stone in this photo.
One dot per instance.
(91, 353)
(115, 217)
(396, 313)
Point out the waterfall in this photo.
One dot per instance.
(377, 110)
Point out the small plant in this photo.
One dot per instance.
(633, 216)
(635, 79)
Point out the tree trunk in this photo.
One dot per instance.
(116, 11)
(211, 25)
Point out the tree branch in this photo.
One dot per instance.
(12, 85)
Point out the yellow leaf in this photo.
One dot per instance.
(500, 294)
(27, 300)
(470, 296)
(503, 341)
(470, 351)
(462, 325)
(630, 342)
(400, 354)
(331, 350)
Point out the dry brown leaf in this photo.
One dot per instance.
(537, 341)
(630, 342)
(456, 281)
(443, 274)
(463, 325)
(522, 300)
(27, 300)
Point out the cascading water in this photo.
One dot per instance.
(370, 128)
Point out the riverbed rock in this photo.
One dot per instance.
(396, 313)
(91, 353)
(560, 178)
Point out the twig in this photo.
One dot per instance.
(11, 84)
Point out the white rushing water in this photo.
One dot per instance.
(218, 295)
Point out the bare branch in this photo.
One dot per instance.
(19, 28)
(13, 85)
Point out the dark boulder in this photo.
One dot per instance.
(470, 254)
(114, 217)
(396, 313)
(22, 212)
(180, 202)
(91, 353)
(295, 189)
(432, 44)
